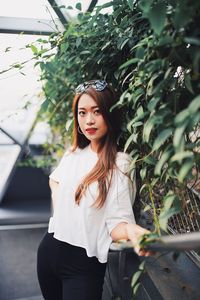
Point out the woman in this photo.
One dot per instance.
(92, 201)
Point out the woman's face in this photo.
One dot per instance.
(90, 119)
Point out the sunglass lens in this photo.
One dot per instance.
(100, 85)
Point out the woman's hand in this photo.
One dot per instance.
(134, 233)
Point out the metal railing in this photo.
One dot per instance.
(179, 242)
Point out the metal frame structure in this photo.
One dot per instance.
(16, 25)
(33, 26)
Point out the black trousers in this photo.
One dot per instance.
(65, 272)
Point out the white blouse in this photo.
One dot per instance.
(83, 225)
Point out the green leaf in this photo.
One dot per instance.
(106, 45)
(181, 155)
(128, 63)
(17, 66)
(150, 160)
(185, 169)
(148, 126)
(108, 4)
(34, 49)
(134, 159)
(194, 120)
(157, 16)
(44, 105)
(79, 6)
(163, 218)
(152, 103)
(181, 117)
(143, 173)
(171, 207)
(136, 288)
(7, 49)
(146, 208)
(69, 124)
(188, 83)
(145, 5)
(169, 199)
(140, 53)
(133, 125)
(163, 159)
(179, 134)
(135, 278)
(131, 4)
(192, 41)
(122, 43)
(162, 137)
(143, 187)
(85, 52)
(78, 42)
(194, 105)
(129, 141)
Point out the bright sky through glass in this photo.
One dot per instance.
(17, 89)
(39, 9)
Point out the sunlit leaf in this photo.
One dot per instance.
(148, 126)
(129, 62)
(186, 167)
(34, 49)
(181, 155)
(194, 105)
(143, 173)
(179, 134)
(162, 137)
(162, 160)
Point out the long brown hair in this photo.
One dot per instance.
(107, 150)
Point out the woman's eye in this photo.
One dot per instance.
(81, 113)
(97, 112)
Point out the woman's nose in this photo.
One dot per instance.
(90, 119)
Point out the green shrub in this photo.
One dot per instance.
(150, 51)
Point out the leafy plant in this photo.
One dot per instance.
(149, 50)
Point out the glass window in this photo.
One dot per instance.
(39, 9)
(20, 97)
(18, 87)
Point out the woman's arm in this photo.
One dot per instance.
(54, 188)
(132, 232)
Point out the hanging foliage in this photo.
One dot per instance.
(149, 50)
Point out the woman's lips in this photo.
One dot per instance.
(91, 130)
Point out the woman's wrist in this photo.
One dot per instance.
(131, 230)
(134, 231)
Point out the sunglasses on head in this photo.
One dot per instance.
(98, 85)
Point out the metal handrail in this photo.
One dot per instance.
(179, 242)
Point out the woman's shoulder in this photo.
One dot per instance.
(123, 157)
(123, 161)
(70, 151)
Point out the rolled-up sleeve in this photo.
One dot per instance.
(120, 201)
